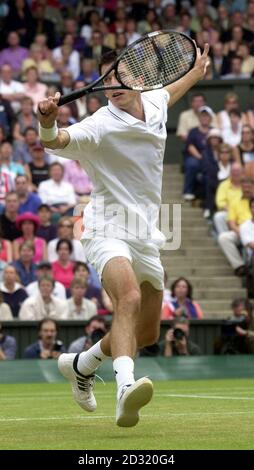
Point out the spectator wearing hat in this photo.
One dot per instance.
(45, 269)
(25, 266)
(211, 168)
(12, 291)
(29, 201)
(28, 224)
(46, 229)
(44, 304)
(193, 153)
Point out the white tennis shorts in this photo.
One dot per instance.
(145, 259)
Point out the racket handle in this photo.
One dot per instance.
(74, 95)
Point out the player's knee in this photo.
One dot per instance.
(131, 301)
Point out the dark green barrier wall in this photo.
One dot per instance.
(214, 91)
(203, 332)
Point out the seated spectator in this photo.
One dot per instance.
(78, 107)
(12, 291)
(78, 178)
(211, 169)
(14, 54)
(28, 224)
(93, 103)
(5, 311)
(38, 168)
(47, 346)
(8, 346)
(25, 118)
(231, 102)
(166, 309)
(8, 218)
(183, 305)
(22, 153)
(219, 61)
(193, 153)
(80, 308)
(238, 213)
(88, 71)
(5, 248)
(244, 151)
(36, 90)
(235, 73)
(246, 231)
(7, 164)
(55, 192)
(45, 269)
(96, 48)
(11, 90)
(237, 332)
(63, 267)
(177, 342)
(228, 190)
(25, 266)
(36, 59)
(28, 201)
(72, 59)
(189, 119)
(243, 51)
(95, 329)
(232, 135)
(65, 230)
(86, 272)
(46, 230)
(44, 304)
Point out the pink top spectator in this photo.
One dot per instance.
(63, 274)
(36, 92)
(74, 174)
(38, 245)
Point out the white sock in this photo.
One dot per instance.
(90, 360)
(124, 372)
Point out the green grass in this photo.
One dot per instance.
(44, 416)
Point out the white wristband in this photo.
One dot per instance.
(48, 134)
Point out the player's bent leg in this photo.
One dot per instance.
(120, 282)
(82, 386)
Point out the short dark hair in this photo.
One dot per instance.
(107, 58)
(80, 264)
(46, 320)
(44, 206)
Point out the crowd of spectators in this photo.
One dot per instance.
(54, 45)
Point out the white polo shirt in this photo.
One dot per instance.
(124, 158)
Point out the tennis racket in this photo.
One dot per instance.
(153, 61)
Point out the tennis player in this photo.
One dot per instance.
(121, 146)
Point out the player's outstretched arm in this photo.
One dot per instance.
(181, 86)
(51, 137)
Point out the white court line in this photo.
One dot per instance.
(210, 397)
(96, 417)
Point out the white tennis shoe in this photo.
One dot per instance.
(132, 398)
(82, 385)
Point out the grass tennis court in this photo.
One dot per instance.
(208, 414)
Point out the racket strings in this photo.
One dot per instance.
(156, 61)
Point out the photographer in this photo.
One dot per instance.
(47, 346)
(95, 329)
(237, 333)
(177, 342)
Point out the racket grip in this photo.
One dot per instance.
(74, 95)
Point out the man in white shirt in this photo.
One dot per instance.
(45, 269)
(121, 146)
(80, 308)
(11, 90)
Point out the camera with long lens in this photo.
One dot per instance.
(97, 335)
(232, 343)
(178, 334)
